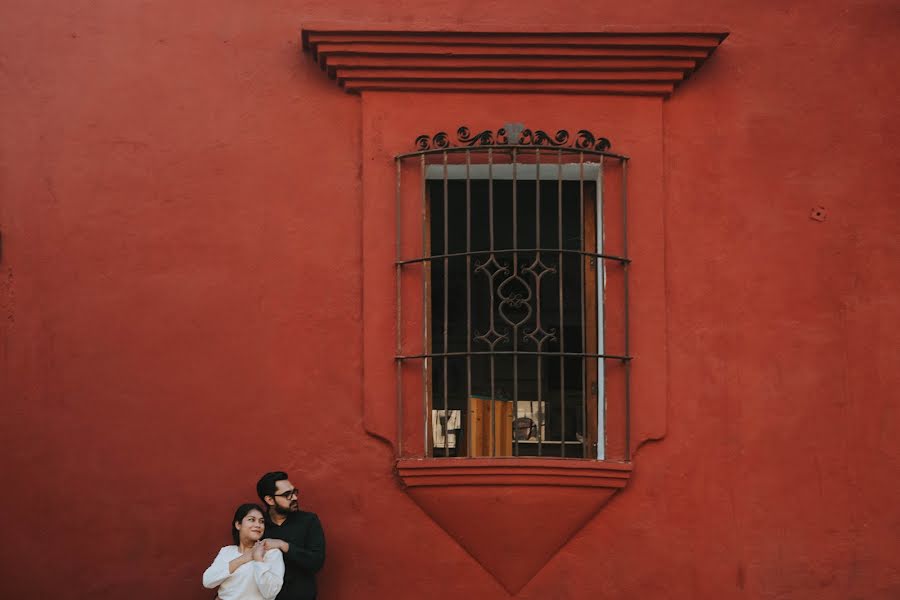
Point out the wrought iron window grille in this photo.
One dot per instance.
(512, 348)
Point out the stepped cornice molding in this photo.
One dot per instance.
(615, 61)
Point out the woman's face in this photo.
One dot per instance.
(251, 526)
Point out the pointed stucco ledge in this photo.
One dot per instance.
(497, 508)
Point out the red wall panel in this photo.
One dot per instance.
(180, 201)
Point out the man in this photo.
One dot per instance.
(298, 534)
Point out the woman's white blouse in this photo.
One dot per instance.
(255, 580)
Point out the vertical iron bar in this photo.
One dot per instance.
(469, 446)
(562, 339)
(584, 371)
(491, 283)
(515, 244)
(537, 233)
(399, 291)
(626, 294)
(601, 315)
(426, 264)
(446, 312)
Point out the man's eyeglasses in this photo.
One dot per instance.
(295, 493)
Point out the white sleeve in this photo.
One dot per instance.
(269, 574)
(217, 571)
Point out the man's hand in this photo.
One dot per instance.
(259, 551)
(277, 544)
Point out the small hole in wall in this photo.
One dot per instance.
(818, 214)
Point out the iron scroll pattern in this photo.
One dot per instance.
(514, 136)
(516, 300)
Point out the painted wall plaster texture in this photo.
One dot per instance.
(181, 292)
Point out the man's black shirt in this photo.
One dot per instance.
(305, 556)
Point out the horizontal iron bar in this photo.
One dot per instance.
(545, 150)
(511, 353)
(587, 171)
(620, 259)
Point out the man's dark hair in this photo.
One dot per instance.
(266, 484)
(239, 515)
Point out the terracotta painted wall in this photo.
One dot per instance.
(181, 300)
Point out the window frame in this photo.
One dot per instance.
(393, 109)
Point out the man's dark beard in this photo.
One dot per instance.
(284, 511)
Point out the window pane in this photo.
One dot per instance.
(500, 385)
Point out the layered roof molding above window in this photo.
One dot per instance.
(634, 62)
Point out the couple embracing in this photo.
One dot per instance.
(277, 548)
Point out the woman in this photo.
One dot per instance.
(246, 570)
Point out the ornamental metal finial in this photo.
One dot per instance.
(513, 131)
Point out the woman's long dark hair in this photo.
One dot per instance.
(239, 515)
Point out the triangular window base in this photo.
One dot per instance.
(511, 515)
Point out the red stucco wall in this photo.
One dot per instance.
(181, 295)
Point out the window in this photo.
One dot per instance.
(521, 348)
(413, 79)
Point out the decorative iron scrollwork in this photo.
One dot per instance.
(485, 138)
(514, 135)
(516, 301)
(586, 140)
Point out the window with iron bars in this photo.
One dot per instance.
(522, 351)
